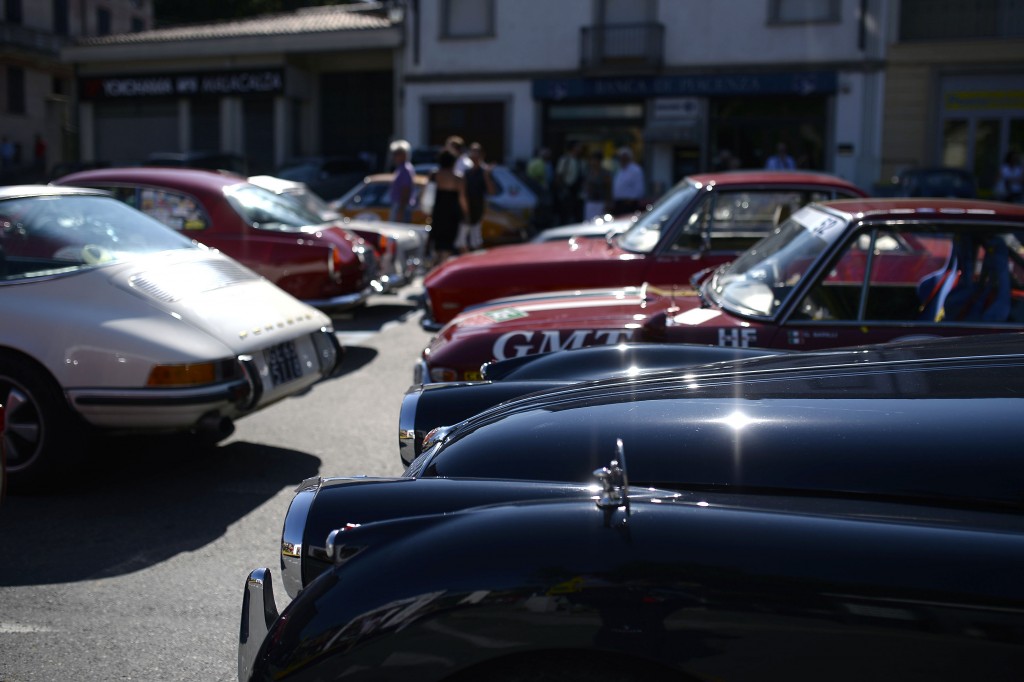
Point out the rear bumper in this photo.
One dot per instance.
(346, 301)
(178, 409)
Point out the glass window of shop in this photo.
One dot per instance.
(597, 126)
(749, 129)
(982, 119)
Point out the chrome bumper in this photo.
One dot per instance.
(338, 303)
(259, 611)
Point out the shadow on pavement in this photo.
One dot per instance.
(380, 310)
(356, 357)
(138, 503)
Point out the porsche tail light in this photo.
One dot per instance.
(192, 374)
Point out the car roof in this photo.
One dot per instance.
(19, 191)
(770, 177)
(188, 179)
(925, 208)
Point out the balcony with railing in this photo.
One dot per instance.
(622, 47)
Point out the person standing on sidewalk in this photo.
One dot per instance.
(597, 188)
(479, 185)
(569, 184)
(400, 193)
(628, 185)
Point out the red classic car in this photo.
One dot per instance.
(704, 220)
(320, 263)
(840, 273)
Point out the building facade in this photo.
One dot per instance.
(859, 88)
(685, 85)
(269, 88)
(37, 86)
(955, 86)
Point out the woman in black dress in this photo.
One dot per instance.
(449, 206)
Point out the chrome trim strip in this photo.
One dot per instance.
(421, 372)
(252, 377)
(408, 443)
(259, 611)
(155, 397)
(292, 534)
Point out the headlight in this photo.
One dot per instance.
(443, 374)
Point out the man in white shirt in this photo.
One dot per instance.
(628, 186)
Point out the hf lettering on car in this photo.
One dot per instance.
(737, 338)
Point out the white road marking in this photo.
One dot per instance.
(18, 628)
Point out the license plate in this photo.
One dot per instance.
(283, 363)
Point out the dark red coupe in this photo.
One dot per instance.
(842, 273)
(320, 263)
(705, 220)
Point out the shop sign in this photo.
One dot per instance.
(675, 109)
(985, 100)
(196, 84)
(698, 85)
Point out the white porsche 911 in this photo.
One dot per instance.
(114, 322)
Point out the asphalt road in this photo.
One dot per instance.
(133, 570)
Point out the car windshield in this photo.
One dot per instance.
(50, 235)
(265, 210)
(365, 194)
(760, 280)
(645, 233)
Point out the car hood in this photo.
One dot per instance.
(628, 308)
(400, 232)
(530, 253)
(888, 426)
(589, 229)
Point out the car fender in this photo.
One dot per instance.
(444, 594)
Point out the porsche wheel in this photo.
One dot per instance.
(41, 433)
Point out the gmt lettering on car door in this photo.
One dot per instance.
(519, 343)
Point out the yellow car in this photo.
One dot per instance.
(369, 201)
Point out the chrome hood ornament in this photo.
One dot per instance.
(614, 481)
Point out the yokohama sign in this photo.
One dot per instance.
(248, 82)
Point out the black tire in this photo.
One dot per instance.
(42, 436)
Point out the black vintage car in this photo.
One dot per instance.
(428, 406)
(846, 515)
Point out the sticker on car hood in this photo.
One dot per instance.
(696, 316)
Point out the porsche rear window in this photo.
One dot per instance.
(52, 235)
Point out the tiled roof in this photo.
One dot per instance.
(308, 20)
